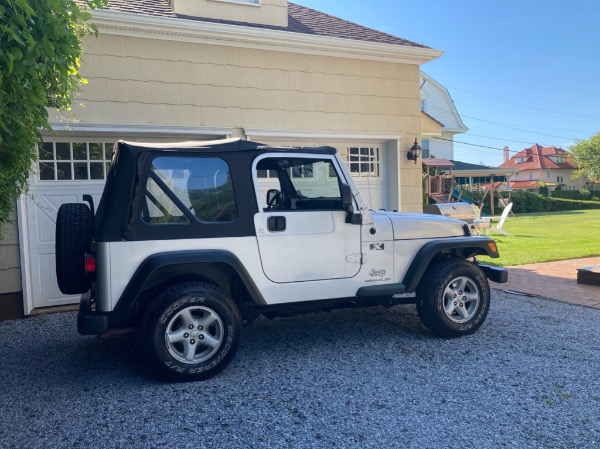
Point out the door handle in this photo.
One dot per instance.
(276, 224)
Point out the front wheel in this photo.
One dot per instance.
(191, 332)
(453, 297)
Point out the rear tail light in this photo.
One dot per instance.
(90, 263)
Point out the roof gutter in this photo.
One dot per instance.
(196, 31)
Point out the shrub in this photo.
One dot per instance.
(527, 202)
(582, 194)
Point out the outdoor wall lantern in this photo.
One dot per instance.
(414, 152)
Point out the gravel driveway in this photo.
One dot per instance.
(370, 378)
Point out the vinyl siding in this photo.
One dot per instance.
(10, 262)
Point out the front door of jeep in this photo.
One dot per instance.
(301, 226)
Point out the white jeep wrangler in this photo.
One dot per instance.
(191, 241)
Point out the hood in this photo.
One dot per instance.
(409, 226)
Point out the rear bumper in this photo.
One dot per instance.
(90, 322)
(495, 274)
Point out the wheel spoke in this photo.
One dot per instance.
(189, 351)
(187, 317)
(208, 319)
(211, 341)
(462, 311)
(460, 284)
(450, 307)
(471, 296)
(176, 336)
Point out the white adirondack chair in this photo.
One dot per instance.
(498, 227)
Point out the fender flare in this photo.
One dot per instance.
(468, 246)
(130, 296)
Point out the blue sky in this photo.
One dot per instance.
(541, 58)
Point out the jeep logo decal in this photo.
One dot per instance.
(377, 273)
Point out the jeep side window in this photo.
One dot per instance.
(158, 208)
(202, 185)
(299, 184)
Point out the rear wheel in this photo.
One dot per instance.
(191, 332)
(73, 240)
(453, 298)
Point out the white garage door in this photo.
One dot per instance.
(66, 171)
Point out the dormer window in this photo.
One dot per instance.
(560, 159)
(521, 159)
(257, 12)
(250, 2)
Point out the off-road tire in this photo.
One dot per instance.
(172, 326)
(74, 230)
(444, 307)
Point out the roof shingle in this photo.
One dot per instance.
(300, 20)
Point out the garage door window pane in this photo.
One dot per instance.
(63, 151)
(96, 170)
(80, 152)
(47, 171)
(63, 171)
(96, 152)
(80, 170)
(46, 151)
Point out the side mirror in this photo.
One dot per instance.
(347, 198)
(273, 198)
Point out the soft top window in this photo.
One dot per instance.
(202, 185)
(299, 184)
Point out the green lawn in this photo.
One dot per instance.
(544, 237)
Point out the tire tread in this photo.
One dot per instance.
(73, 240)
(157, 307)
(426, 292)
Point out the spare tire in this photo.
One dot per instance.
(73, 239)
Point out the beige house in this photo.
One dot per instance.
(265, 70)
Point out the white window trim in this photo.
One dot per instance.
(106, 153)
(363, 159)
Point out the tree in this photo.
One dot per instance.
(587, 155)
(40, 47)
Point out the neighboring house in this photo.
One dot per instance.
(266, 70)
(441, 121)
(476, 176)
(539, 166)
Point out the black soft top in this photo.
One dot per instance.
(214, 146)
(113, 220)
